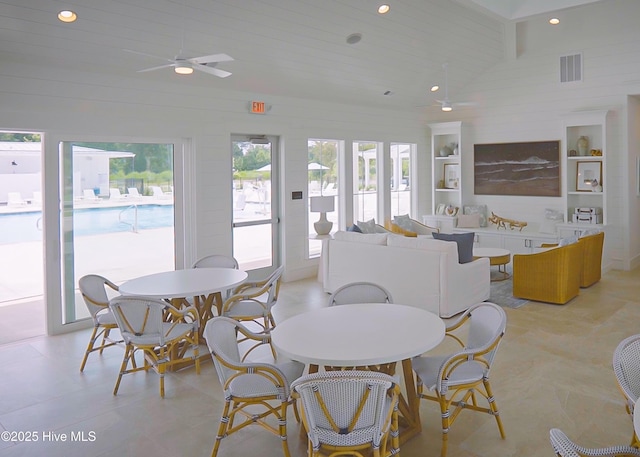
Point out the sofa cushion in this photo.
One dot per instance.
(464, 241)
(367, 226)
(370, 238)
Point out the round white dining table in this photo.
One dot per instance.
(364, 335)
(205, 285)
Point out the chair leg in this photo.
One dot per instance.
(128, 352)
(161, 370)
(105, 336)
(282, 426)
(493, 405)
(92, 340)
(222, 429)
(444, 412)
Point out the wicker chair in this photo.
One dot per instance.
(564, 447)
(217, 261)
(626, 367)
(360, 292)
(410, 227)
(253, 301)
(457, 378)
(166, 336)
(249, 379)
(551, 276)
(349, 412)
(592, 264)
(94, 292)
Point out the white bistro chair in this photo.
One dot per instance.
(564, 447)
(254, 380)
(626, 367)
(360, 292)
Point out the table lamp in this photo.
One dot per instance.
(322, 205)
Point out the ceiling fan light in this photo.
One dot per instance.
(446, 106)
(183, 68)
(67, 16)
(434, 88)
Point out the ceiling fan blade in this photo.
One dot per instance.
(148, 55)
(211, 70)
(212, 58)
(156, 68)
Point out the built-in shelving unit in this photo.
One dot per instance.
(446, 170)
(580, 167)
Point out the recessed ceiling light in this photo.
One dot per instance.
(435, 88)
(554, 21)
(67, 16)
(388, 92)
(383, 9)
(354, 38)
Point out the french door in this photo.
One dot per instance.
(255, 203)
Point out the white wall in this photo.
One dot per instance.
(519, 100)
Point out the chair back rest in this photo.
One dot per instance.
(216, 261)
(221, 336)
(626, 367)
(360, 292)
(562, 445)
(488, 323)
(140, 319)
(346, 407)
(272, 283)
(94, 292)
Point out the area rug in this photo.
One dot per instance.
(502, 294)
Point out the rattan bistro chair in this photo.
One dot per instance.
(456, 378)
(94, 292)
(217, 261)
(165, 335)
(254, 300)
(360, 292)
(626, 367)
(564, 447)
(349, 412)
(250, 379)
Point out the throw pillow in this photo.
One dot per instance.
(568, 241)
(469, 220)
(367, 226)
(354, 228)
(464, 241)
(404, 221)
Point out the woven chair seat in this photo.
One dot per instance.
(429, 368)
(170, 332)
(106, 318)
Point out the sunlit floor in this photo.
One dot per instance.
(553, 369)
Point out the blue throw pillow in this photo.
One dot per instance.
(464, 241)
(354, 228)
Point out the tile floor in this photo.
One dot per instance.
(553, 370)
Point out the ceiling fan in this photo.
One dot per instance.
(446, 104)
(186, 65)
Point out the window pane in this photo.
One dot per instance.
(365, 196)
(400, 181)
(322, 171)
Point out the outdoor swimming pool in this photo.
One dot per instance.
(27, 226)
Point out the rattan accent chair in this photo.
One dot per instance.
(360, 292)
(455, 379)
(254, 300)
(250, 379)
(551, 276)
(217, 261)
(592, 263)
(94, 292)
(626, 367)
(564, 447)
(349, 413)
(166, 336)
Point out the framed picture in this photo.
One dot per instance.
(523, 169)
(451, 176)
(586, 173)
(440, 209)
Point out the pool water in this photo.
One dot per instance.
(27, 226)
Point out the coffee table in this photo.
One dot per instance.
(368, 335)
(496, 256)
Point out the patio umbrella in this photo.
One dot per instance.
(316, 166)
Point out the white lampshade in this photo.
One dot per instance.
(322, 204)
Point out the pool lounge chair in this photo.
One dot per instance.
(158, 193)
(15, 199)
(114, 194)
(133, 193)
(89, 195)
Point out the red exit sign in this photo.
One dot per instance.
(258, 108)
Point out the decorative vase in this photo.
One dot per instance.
(454, 146)
(445, 151)
(583, 145)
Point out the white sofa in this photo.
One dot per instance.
(417, 271)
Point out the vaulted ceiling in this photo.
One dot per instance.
(292, 48)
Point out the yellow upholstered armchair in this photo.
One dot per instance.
(592, 261)
(406, 226)
(551, 276)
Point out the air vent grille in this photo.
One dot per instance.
(571, 68)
